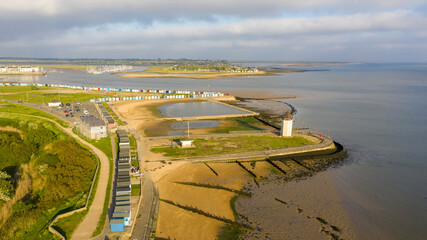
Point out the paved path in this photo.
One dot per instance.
(143, 222)
(106, 230)
(89, 223)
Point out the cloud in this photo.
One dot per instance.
(321, 29)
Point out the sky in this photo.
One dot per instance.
(268, 30)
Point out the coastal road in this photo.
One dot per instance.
(89, 223)
(146, 211)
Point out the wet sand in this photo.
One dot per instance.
(305, 209)
(214, 201)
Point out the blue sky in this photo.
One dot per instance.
(275, 30)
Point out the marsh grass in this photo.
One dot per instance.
(232, 145)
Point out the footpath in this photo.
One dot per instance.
(144, 221)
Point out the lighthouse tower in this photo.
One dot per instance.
(287, 120)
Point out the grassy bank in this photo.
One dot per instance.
(67, 225)
(54, 179)
(232, 145)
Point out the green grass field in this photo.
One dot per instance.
(239, 124)
(6, 107)
(43, 97)
(16, 89)
(136, 189)
(229, 145)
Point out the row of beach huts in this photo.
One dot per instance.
(109, 120)
(166, 94)
(121, 199)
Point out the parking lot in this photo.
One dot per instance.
(71, 112)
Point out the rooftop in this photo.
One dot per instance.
(92, 121)
(288, 116)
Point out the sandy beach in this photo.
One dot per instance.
(278, 208)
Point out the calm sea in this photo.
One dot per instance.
(377, 111)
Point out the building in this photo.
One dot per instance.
(287, 121)
(187, 143)
(106, 116)
(18, 70)
(122, 201)
(92, 127)
(54, 103)
(117, 224)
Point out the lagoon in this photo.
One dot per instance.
(197, 109)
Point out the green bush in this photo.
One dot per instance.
(60, 171)
(6, 190)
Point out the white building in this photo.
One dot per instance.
(287, 121)
(187, 143)
(54, 103)
(12, 69)
(92, 127)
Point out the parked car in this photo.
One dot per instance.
(77, 110)
(67, 104)
(67, 115)
(65, 111)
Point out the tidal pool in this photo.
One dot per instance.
(197, 109)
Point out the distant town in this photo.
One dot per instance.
(21, 70)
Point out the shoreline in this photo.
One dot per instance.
(193, 75)
(167, 174)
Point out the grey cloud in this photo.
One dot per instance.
(354, 37)
(195, 29)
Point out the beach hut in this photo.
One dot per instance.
(117, 224)
(122, 208)
(126, 217)
(123, 198)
